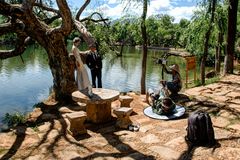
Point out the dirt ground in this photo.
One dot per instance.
(156, 139)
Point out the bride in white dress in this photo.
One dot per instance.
(83, 81)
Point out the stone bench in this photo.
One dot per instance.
(76, 123)
(125, 100)
(82, 106)
(123, 120)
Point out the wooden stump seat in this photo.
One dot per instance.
(76, 123)
(125, 100)
(123, 120)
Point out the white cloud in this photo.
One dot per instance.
(181, 12)
(114, 12)
(112, 1)
(155, 7)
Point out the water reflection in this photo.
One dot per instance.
(24, 84)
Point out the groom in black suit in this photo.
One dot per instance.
(94, 62)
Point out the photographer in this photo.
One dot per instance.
(175, 85)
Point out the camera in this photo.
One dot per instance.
(161, 61)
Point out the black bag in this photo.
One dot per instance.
(200, 130)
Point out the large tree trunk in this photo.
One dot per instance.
(25, 22)
(218, 52)
(206, 40)
(232, 22)
(62, 68)
(144, 56)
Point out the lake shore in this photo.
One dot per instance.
(156, 139)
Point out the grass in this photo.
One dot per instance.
(3, 150)
(12, 120)
(197, 83)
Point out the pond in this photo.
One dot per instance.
(24, 84)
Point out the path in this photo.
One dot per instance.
(156, 139)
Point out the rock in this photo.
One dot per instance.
(68, 155)
(150, 138)
(235, 127)
(45, 127)
(165, 152)
(229, 153)
(33, 116)
(170, 131)
(224, 113)
(145, 128)
(175, 142)
(35, 157)
(65, 110)
(220, 98)
(236, 101)
(137, 156)
(104, 158)
(7, 140)
(220, 122)
(221, 133)
(99, 141)
(234, 95)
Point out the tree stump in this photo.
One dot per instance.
(123, 120)
(125, 101)
(76, 123)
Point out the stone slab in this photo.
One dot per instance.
(165, 152)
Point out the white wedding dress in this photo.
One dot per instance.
(83, 81)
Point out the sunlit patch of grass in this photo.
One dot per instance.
(3, 150)
(12, 120)
(198, 83)
(212, 80)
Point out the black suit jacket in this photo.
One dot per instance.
(94, 60)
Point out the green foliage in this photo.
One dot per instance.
(14, 119)
(2, 19)
(3, 150)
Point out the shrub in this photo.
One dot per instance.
(12, 120)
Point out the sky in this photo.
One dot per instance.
(115, 8)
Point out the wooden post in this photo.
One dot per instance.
(190, 65)
(186, 78)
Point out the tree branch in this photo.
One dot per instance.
(19, 48)
(82, 9)
(87, 36)
(11, 10)
(5, 28)
(67, 23)
(89, 18)
(50, 20)
(44, 7)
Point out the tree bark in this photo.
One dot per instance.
(52, 39)
(218, 52)
(231, 36)
(206, 40)
(144, 56)
(62, 68)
